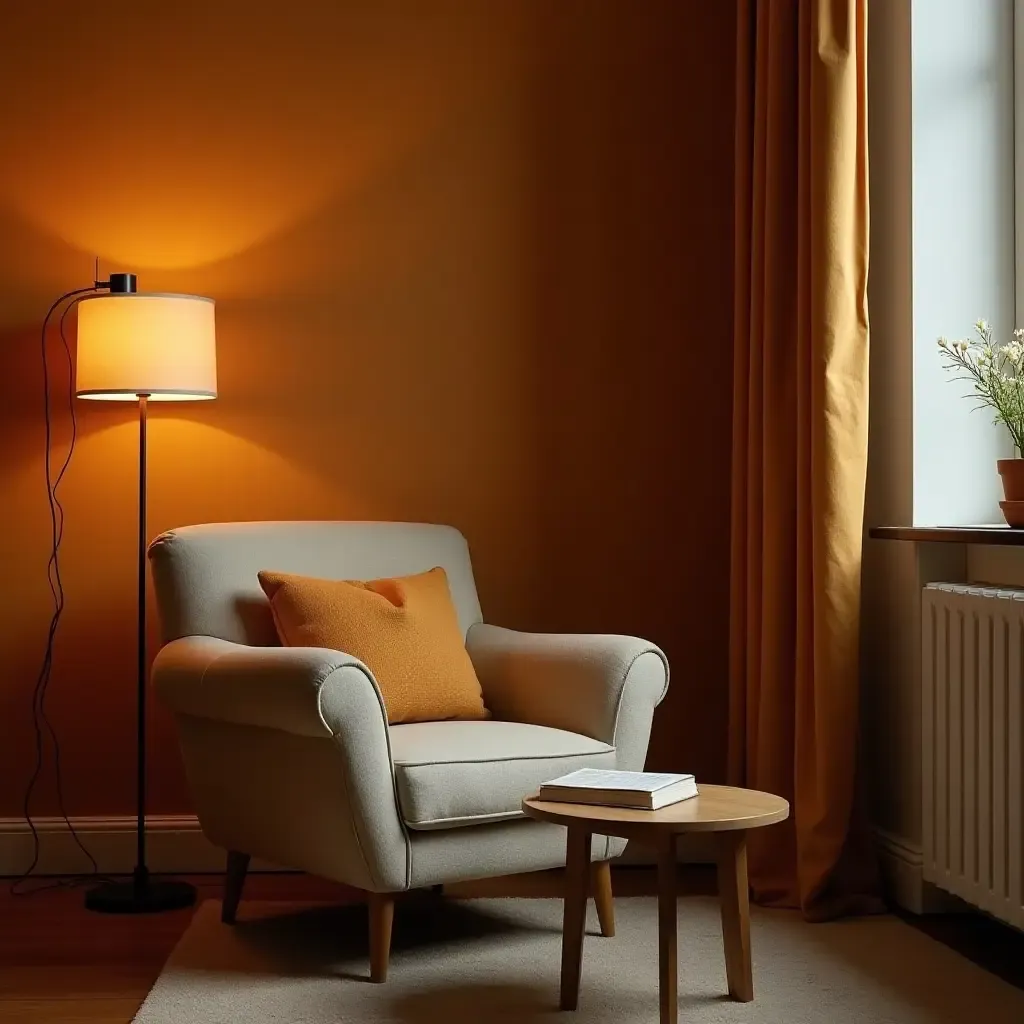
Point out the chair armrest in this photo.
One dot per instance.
(311, 698)
(308, 691)
(601, 686)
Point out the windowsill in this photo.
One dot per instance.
(993, 533)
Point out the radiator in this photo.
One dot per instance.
(972, 642)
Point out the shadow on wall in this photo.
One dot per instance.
(472, 264)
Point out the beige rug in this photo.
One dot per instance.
(497, 961)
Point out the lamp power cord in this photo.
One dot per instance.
(42, 725)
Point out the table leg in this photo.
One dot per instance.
(604, 898)
(734, 895)
(574, 913)
(667, 951)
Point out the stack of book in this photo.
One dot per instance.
(647, 791)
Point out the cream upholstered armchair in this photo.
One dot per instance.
(288, 752)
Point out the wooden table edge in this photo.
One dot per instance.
(641, 828)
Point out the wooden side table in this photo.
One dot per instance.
(724, 810)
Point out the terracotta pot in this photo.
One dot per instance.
(1013, 513)
(1012, 473)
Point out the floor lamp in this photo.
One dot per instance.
(144, 347)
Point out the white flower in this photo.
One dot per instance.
(997, 369)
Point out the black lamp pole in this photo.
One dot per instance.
(141, 872)
(142, 895)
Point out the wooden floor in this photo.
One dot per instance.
(64, 965)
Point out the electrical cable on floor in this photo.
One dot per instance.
(40, 718)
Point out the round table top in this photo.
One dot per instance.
(714, 809)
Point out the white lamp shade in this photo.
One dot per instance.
(161, 346)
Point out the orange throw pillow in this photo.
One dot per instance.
(405, 630)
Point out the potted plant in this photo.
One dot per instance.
(996, 372)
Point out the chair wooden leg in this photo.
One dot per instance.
(234, 880)
(382, 913)
(603, 897)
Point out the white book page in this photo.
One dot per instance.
(597, 778)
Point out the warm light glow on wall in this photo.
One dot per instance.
(163, 346)
(267, 122)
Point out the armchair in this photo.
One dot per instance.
(288, 752)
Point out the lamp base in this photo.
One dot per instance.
(141, 895)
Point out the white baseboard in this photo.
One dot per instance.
(902, 863)
(174, 845)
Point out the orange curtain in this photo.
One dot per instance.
(800, 444)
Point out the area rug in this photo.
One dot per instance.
(497, 961)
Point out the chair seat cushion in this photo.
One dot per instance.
(467, 773)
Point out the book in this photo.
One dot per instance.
(647, 791)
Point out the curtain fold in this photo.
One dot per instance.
(800, 444)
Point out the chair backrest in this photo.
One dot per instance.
(206, 583)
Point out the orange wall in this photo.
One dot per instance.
(472, 264)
